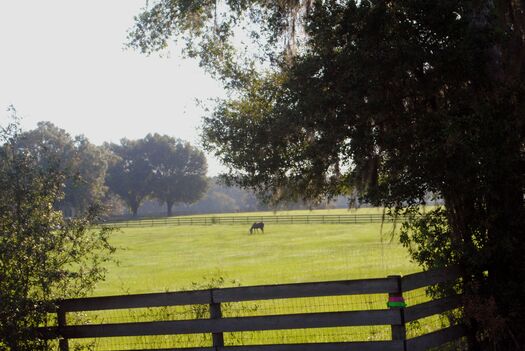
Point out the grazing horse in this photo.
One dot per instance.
(255, 226)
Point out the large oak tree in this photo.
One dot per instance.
(160, 167)
(179, 170)
(393, 99)
(129, 174)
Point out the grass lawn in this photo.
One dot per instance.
(170, 258)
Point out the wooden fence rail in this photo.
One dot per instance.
(217, 325)
(279, 219)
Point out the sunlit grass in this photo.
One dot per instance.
(174, 258)
(170, 258)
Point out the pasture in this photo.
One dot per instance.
(171, 258)
(174, 258)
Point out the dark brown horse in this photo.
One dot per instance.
(255, 226)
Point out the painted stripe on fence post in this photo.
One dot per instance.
(398, 330)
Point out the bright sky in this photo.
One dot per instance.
(64, 61)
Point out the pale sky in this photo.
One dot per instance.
(64, 61)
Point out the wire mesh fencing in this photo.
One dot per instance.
(323, 313)
(274, 307)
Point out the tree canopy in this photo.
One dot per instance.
(393, 100)
(84, 162)
(160, 167)
(130, 173)
(179, 170)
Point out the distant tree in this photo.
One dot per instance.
(130, 173)
(87, 163)
(178, 170)
(245, 200)
(89, 186)
(216, 202)
(43, 256)
(114, 204)
(217, 199)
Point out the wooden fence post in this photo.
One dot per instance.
(215, 313)
(62, 342)
(396, 301)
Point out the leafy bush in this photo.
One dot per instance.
(43, 256)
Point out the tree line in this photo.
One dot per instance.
(155, 175)
(159, 167)
(221, 198)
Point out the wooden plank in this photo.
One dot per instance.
(177, 349)
(435, 276)
(47, 333)
(137, 301)
(435, 339)
(432, 307)
(347, 346)
(334, 288)
(342, 346)
(189, 220)
(297, 321)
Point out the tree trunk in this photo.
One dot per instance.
(134, 204)
(134, 209)
(506, 232)
(169, 205)
(488, 223)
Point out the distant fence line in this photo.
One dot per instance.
(215, 324)
(291, 219)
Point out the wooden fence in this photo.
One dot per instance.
(292, 219)
(216, 325)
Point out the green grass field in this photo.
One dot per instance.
(170, 258)
(173, 258)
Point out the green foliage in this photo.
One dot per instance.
(179, 170)
(210, 32)
(393, 100)
(130, 173)
(43, 256)
(159, 167)
(428, 239)
(86, 163)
